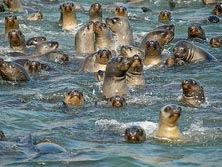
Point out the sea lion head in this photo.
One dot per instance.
(100, 75)
(99, 27)
(121, 11)
(103, 56)
(13, 5)
(35, 41)
(96, 8)
(181, 51)
(135, 134)
(116, 23)
(33, 66)
(2, 8)
(116, 101)
(217, 9)
(152, 46)
(2, 135)
(169, 115)
(11, 21)
(67, 8)
(57, 56)
(74, 98)
(165, 16)
(163, 36)
(129, 51)
(16, 40)
(196, 31)
(136, 65)
(213, 19)
(170, 27)
(216, 42)
(47, 46)
(35, 16)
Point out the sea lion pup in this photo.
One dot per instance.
(35, 41)
(168, 123)
(37, 16)
(121, 11)
(16, 40)
(95, 12)
(116, 101)
(196, 31)
(134, 75)
(103, 37)
(162, 36)
(74, 98)
(190, 53)
(30, 66)
(11, 23)
(14, 5)
(212, 19)
(216, 42)
(115, 77)
(193, 93)
(130, 51)
(153, 56)
(169, 27)
(97, 61)
(84, 39)
(45, 47)
(164, 16)
(121, 28)
(68, 13)
(12, 71)
(217, 9)
(135, 134)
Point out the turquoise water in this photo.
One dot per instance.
(92, 134)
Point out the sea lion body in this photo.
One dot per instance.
(97, 61)
(169, 27)
(30, 66)
(116, 101)
(115, 77)
(11, 23)
(122, 30)
(135, 134)
(95, 12)
(168, 123)
(196, 31)
(17, 41)
(49, 148)
(74, 98)
(207, 2)
(153, 54)
(189, 52)
(193, 94)
(14, 5)
(130, 51)
(84, 39)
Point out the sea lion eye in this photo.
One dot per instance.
(193, 82)
(167, 109)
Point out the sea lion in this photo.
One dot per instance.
(193, 93)
(212, 19)
(36, 16)
(116, 101)
(49, 148)
(74, 98)
(190, 53)
(169, 27)
(130, 51)
(164, 16)
(121, 11)
(95, 12)
(153, 54)
(134, 75)
(14, 5)
(11, 23)
(68, 13)
(216, 42)
(97, 61)
(196, 31)
(207, 2)
(30, 66)
(84, 39)
(45, 47)
(103, 37)
(17, 40)
(2, 135)
(217, 10)
(100, 75)
(35, 41)
(162, 36)
(12, 71)
(2, 8)
(135, 134)
(168, 123)
(122, 30)
(115, 77)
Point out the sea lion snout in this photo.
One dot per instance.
(117, 101)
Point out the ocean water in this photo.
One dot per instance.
(92, 134)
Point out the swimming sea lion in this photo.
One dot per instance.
(100, 75)
(189, 52)
(68, 13)
(116, 101)
(84, 39)
(217, 10)
(2, 8)
(115, 77)
(103, 39)
(16, 40)
(153, 54)
(11, 23)
(2, 136)
(121, 28)
(193, 93)
(14, 5)
(49, 148)
(35, 41)
(216, 42)
(168, 123)
(36, 16)
(45, 47)
(164, 16)
(207, 2)
(134, 75)
(169, 27)
(30, 66)
(74, 98)
(162, 36)
(135, 134)
(97, 61)
(12, 71)
(121, 11)
(95, 12)
(130, 51)
(196, 31)
(212, 19)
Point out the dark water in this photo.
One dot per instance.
(92, 135)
